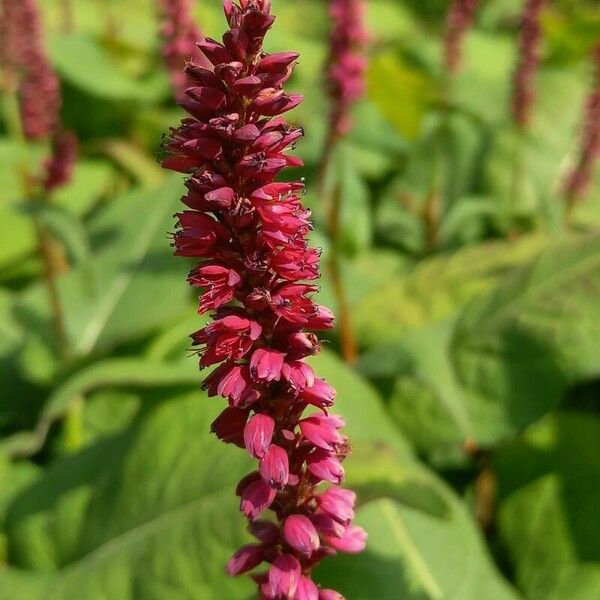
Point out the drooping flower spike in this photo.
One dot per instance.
(179, 34)
(458, 21)
(255, 270)
(530, 39)
(579, 179)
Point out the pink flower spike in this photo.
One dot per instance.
(307, 590)
(325, 466)
(301, 534)
(256, 496)
(245, 559)
(258, 434)
(256, 274)
(274, 467)
(266, 364)
(353, 540)
(284, 576)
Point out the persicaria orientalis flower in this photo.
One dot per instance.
(180, 34)
(28, 72)
(255, 269)
(458, 21)
(27, 66)
(346, 62)
(580, 177)
(529, 59)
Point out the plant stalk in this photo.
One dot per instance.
(347, 338)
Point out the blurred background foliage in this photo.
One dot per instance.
(474, 407)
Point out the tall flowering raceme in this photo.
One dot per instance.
(345, 80)
(529, 59)
(180, 34)
(24, 54)
(250, 234)
(30, 74)
(458, 21)
(346, 62)
(579, 179)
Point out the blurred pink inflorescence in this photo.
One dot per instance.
(458, 21)
(250, 234)
(28, 72)
(529, 59)
(29, 69)
(346, 63)
(180, 34)
(59, 166)
(580, 177)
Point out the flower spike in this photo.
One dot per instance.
(249, 234)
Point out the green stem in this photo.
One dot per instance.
(68, 20)
(347, 339)
(73, 435)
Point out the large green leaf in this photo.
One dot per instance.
(143, 514)
(505, 362)
(483, 86)
(422, 543)
(437, 288)
(394, 82)
(417, 556)
(519, 347)
(86, 65)
(548, 486)
(132, 284)
(122, 373)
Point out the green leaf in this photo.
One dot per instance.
(437, 288)
(548, 505)
(17, 232)
(64, 227)
(359, 404)
(505, 362)
(123, 373)
(127, 373)
(142, 514)
(394, 82)
(416, 556)
(483, 86)
(91, 180)
(520, 346)
(87, 66)
(135, 285)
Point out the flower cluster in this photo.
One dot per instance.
(250, 234)
(580, 178)
(458, 21)
(529, 59)
(27, 71)
(346, 64)
(180, 34)
(24, 56)
(59, 165)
